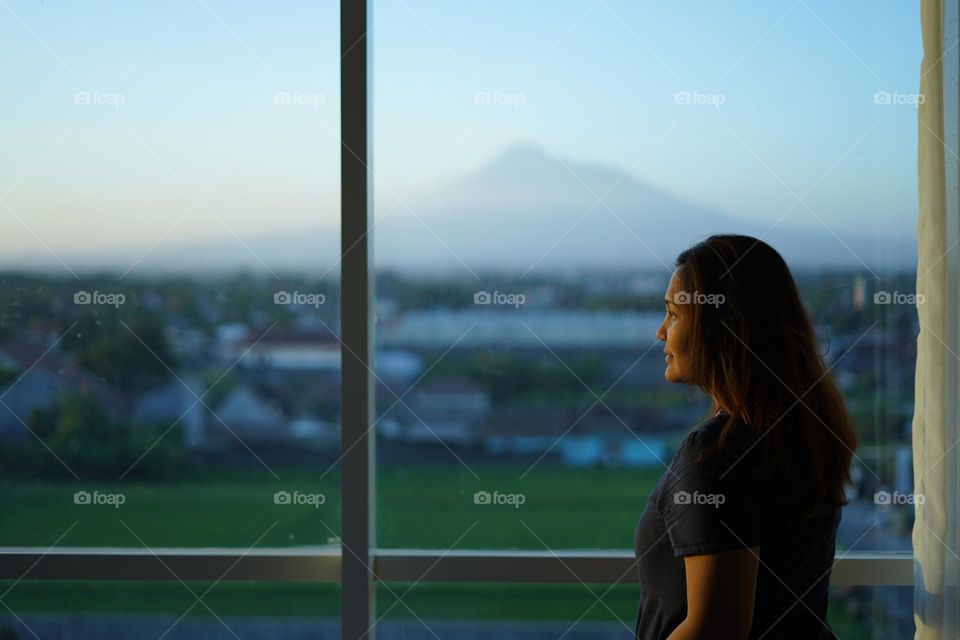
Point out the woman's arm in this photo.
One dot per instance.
(721, 588)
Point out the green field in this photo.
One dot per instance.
(431, 507)
(417, 507)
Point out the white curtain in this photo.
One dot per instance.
(936, 453)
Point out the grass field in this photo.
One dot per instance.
(419, 506)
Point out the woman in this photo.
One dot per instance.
(738, 538)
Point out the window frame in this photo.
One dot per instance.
(358, 564)
(282, 564)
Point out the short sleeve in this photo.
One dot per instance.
(704, 508)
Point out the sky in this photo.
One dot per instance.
(145, 123)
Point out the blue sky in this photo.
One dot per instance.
(184, 109)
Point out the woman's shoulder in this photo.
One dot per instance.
(697, 439)
(705, 432)
(701, 438)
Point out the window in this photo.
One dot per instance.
(534, 177)
(170, 300)
(191, 340)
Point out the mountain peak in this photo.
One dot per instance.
(524, 150)
(523, 160)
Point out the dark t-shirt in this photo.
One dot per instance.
(693, 511)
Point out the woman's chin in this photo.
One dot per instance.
(670, 375)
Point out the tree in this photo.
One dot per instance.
(92, 445)
(131, 356)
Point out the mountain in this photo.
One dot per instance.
(523, 210)
(527, 206)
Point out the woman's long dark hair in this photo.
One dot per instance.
(755, 352)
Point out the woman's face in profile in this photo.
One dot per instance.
(674, 331)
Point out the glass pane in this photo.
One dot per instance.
(175, 610)
(538, 172)
(484, 610)
(169, 294)
(550, 611)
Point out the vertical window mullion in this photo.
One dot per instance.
(357, 467)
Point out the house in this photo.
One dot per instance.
(175, 402)
(614, 450)
(488, 327)
(447, 410)
(43, 376)
(186, 341)
(632, 437)
(287, 350)
(35, 391)
(398, 365)
(529, 431)
(320, 434)
(244, 414)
